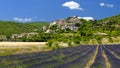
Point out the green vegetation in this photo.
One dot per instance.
(9, 27)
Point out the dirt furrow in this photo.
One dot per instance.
(89, 64)
(106, 60)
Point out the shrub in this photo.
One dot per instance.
(69, 43)
(55, 45)
(110, 40)
(50, 42)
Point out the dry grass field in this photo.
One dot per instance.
(9, 48)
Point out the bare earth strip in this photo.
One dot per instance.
(106, 60)
(21, 44)
(88, 65)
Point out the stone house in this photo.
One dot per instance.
(17, 36)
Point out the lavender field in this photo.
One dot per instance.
(102, 56)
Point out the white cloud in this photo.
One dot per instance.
(23, 19)
(110, 5)
(87, 18)
(106, 5)
(72, 5)
(102, 4)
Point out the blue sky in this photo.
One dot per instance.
(49, 10)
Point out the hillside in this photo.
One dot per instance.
(75, 24)
(9, 27)
(79, 31)
(115, 19)
(68, 31)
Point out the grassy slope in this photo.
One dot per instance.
(7, 27)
